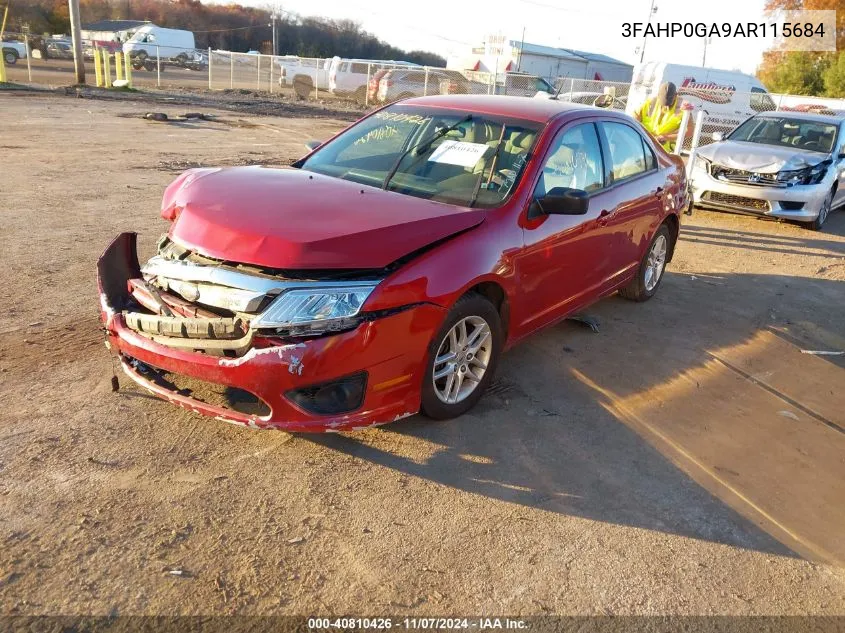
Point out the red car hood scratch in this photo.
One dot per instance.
(294, 219)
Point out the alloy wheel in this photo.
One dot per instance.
(655, 263)
(462, 359)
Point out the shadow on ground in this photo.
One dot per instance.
(545, 437)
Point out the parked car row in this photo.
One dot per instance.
(385, 81)
(396, 84)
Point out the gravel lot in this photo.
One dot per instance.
(687, 459)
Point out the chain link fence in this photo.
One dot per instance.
(371, 83)
(704, 118)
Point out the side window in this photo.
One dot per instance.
(627, 157)
(359, 69)
(650, 158)
(761, 101)
(574, 161)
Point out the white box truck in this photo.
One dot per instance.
(727, 97)
(171, 45)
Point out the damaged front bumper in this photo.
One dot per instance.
(801, 203)
(379, 362)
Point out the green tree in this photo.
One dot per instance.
(805, 73)
(795, 72)
(834, 77)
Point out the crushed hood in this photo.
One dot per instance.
(759, 158)
(293, 219)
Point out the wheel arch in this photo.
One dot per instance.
(495, 294)
(674, 225)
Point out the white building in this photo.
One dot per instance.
(500, 54)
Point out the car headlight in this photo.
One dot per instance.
(315, 310)
(806, 176)
(701, 163)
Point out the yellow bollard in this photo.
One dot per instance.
(2, 70)
(128, 71)
(98, 68)
(106, 68)
(118, 65)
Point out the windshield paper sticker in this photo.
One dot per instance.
(458, 153)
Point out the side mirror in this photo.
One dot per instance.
(562, 201)
(718, 136)
(841, 155)
(312, 145)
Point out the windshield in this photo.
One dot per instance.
(454, 157)
(788, 132)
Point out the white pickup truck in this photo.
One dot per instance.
(308, 71)
(13, 51)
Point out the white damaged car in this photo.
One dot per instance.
(787, 165)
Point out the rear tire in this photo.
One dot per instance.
(10, 56)
(650, 273)
(464, 352)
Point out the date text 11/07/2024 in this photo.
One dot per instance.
(477, 624)
(724, 29)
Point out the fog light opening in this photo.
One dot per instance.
(331, 398)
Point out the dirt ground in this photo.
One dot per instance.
(686, 459)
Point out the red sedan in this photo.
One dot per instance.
(385, 272)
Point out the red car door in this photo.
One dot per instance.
(565, 258)
(637, 188)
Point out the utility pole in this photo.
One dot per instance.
(5, 15)
(704, 57)
(521, 46)
(275, 50)
(76, 35)
(652, 10)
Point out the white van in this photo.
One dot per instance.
(349, 76)
(727, 97)
(170, 44)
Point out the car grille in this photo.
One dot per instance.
(736, 201)
(743, 177)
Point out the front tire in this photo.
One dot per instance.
(650, 273)
(462, 358)
(824, 212)
(10, 56)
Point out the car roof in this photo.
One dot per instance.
(539, 110)
(835, 119)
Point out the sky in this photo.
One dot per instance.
(450, 27)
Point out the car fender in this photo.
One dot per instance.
(445, 272)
